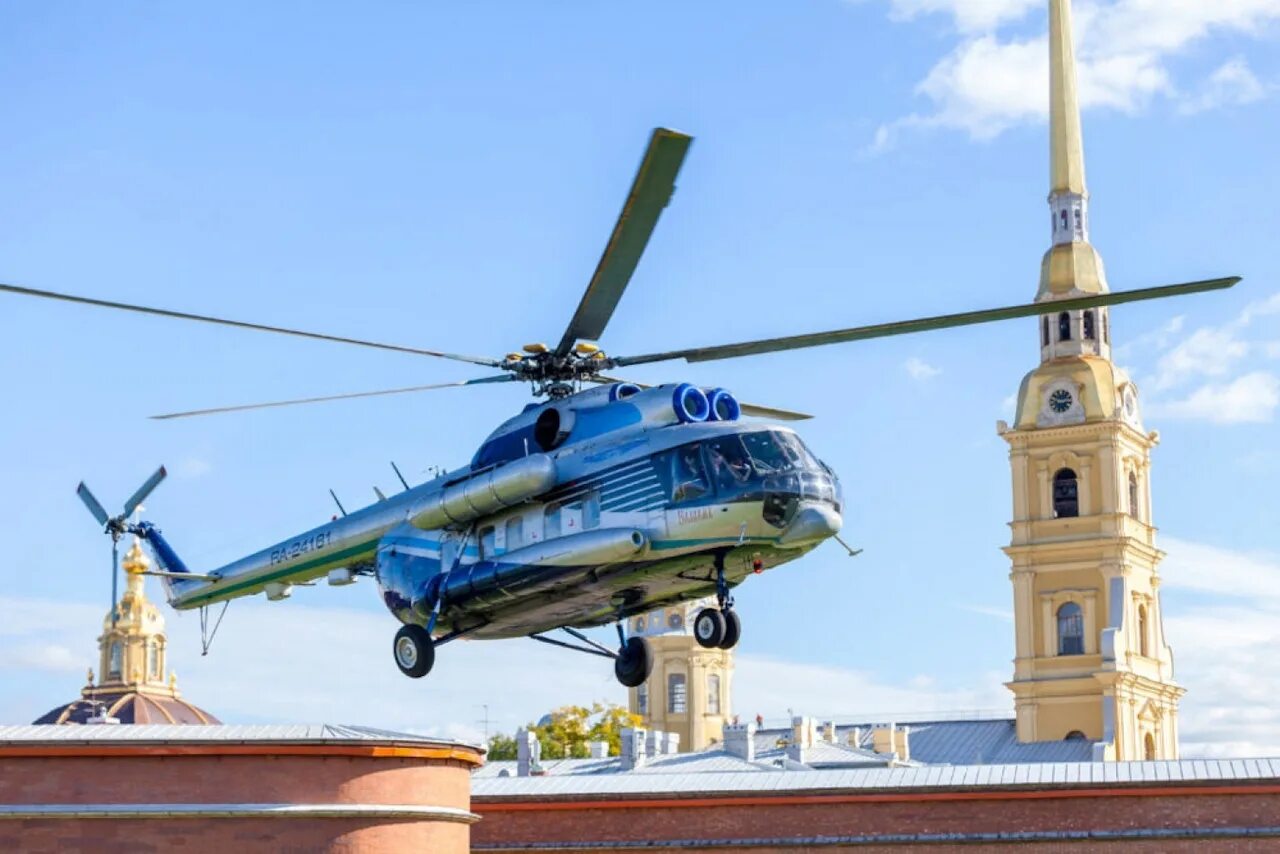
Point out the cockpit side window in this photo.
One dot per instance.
(729, 463)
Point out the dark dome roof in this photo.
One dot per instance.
(129, 707)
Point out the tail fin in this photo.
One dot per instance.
(170, 564)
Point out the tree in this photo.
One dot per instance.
(566, 731)
(502, 747)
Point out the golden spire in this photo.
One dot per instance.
(1072, 266)
(1067, 147)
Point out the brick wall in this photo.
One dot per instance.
(1221, 816)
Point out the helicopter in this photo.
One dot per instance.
(600, 500)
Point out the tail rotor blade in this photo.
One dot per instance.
(143, 491)
(92, 503)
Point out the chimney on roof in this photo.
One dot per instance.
(671, 743)
(804, 734)
(855, 737)
(633, 754)
(891, 740)
(740, 741)
(528, 753)
(598, 749)
(829, 733)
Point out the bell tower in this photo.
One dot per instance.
(689, 691)
(1091, 659)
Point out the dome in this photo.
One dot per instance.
(128, 707)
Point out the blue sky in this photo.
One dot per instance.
(447, 176)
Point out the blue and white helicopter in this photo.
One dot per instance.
(604, 500)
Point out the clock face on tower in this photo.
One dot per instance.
(1060, 401)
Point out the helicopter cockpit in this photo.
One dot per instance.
(772, 466)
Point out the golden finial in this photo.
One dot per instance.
(90, 676)
(135, 560)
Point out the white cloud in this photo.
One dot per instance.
(193, 467)
(969, 15)
(1253, 398)
(1233, 84)
(1003, 614)
(989, 82)
(1210, 351)
(770, 686)
(920, 370)
(1225, 653)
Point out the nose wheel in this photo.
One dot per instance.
(718, 628)
(414, 650)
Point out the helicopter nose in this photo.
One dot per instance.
(814, 523)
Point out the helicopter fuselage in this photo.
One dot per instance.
(617, 501)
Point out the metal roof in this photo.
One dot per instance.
(224, 733)
(955, 742)
(1037, 775)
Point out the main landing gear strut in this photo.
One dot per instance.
(718, 628)
(632, 663)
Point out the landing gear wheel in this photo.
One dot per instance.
(709, 628)
(634, 662)
(732, 629)
(414, 650)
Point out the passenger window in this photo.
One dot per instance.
(591, 511)
(448, 555)
(730, 465)
(551, 522)
(488, 542)
(688, 475)
(515, 533)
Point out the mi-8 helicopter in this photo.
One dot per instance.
(604, 500)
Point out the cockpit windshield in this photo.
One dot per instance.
(743, 465)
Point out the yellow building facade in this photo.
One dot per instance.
(690, 688)
(1091, 658)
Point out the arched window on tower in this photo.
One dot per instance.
(1149, 747)
(1066, 494)
(677, 696)
(1106, 329)
(1075, 735)
(713, 694)
(1133, 496)
(1142, 631)
(1070, 630)
(115, 659)
(1089, 332)
(153, 660)
(1064, 327)
(1044, 332)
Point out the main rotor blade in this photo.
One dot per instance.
(907, 327)
(143, 491)
(654, 183)
(500, 378)
(92, 503)
(261, 327)
(747, 408)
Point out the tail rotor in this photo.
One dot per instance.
(118, 526)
